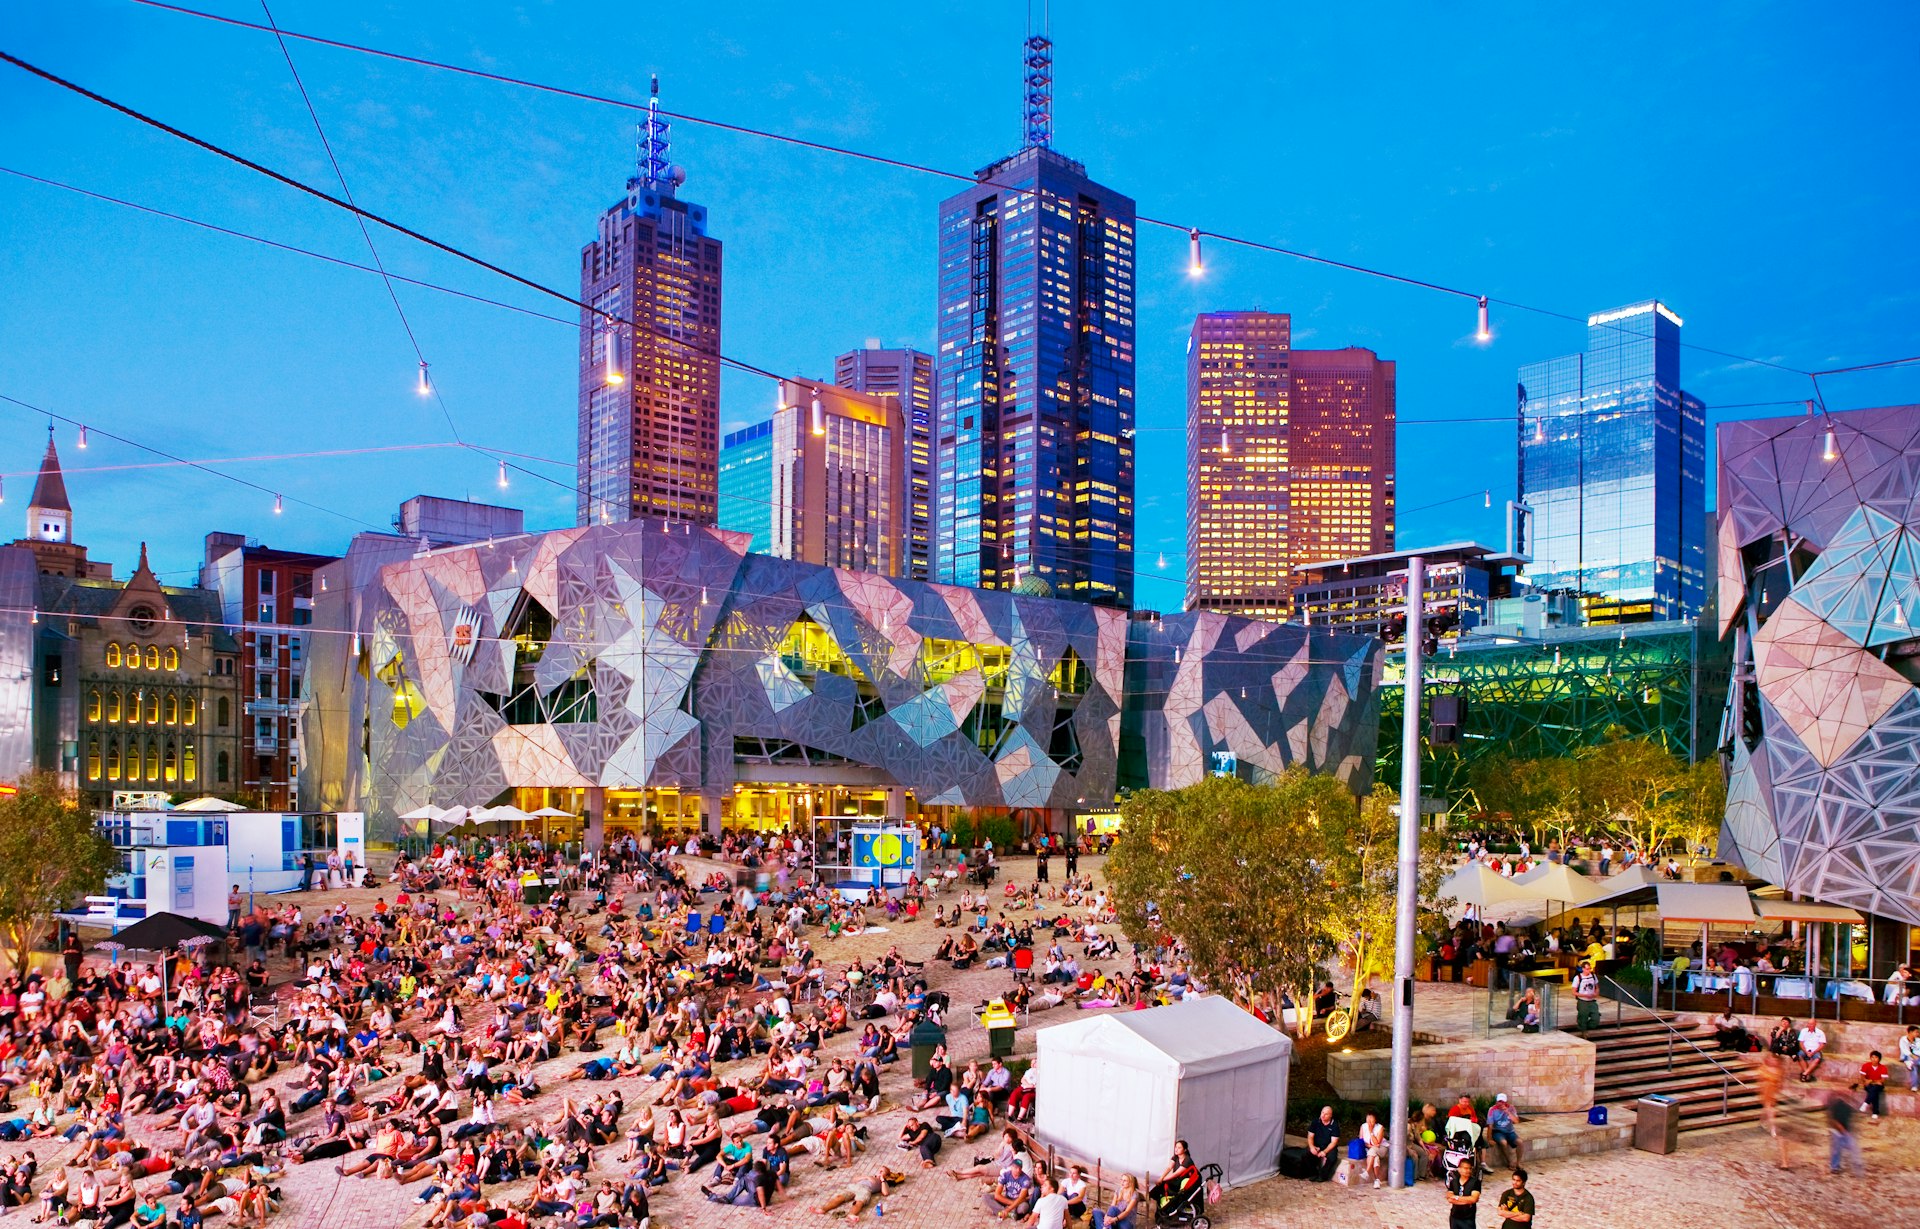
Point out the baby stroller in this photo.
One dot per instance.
(1187, 1207)
(1463, 1144)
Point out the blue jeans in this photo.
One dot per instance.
(1844, 1144)
(1106, 1219)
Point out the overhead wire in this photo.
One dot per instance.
(1184, 229)
(393, 295)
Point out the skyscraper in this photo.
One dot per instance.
(1290, 460)
(822, 481)
(1613, 462)
(907, 375)
(1237, 392)
(1034, 445)
(650, 354)
(1340, 458)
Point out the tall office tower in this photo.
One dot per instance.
(1613, 463)
(824, 480)
(907, 375)
(650, 352)
(1340, 458)
(1033, 451)
(1237, 489)
(1289, 460)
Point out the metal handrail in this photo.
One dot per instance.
(1711, 1056)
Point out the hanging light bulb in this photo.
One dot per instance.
(1556, 658)
(1163, 561)
(356, 644)
(1485, 331)
(1832, 450)
(1196, 265)
(83, 435)
(425, 386)
(1226, 448)
(703, 595)
(3, 491)
(279, 505)
(1487, 501)
(503, 474)
(819, 415)
(613, 368)
(1540, 430)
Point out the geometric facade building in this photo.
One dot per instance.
(1819, 590)
(657, 675)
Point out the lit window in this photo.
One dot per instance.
(173, 659)
(113, 654)
(153, 657)
(113, 706)
(93, 705)
(113, 761)
(189, 765)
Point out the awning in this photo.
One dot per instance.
(1727, 903)
(1804, 911)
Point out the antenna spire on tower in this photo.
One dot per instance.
(652, 146)
(1039, 87)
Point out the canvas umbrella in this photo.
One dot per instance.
(1557, 883)
(1480, 885)
(546, 813)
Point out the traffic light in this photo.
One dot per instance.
(1446, 713)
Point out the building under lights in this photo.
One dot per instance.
(906, 375)
(657, 676)
(824, 480)
(1613, 463)
(1034, 447)
(1290, 460)
(649, 432)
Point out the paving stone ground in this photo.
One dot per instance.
(1720, 1178)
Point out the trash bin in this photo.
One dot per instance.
(999, 1023)
(1656, 1124)
(925, 1037)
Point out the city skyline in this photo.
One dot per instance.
(342, 357)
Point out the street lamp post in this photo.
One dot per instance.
(1409, 876)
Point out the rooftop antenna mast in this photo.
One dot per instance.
(1039, 82)
(651, 145)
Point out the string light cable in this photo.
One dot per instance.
(426, 385)
(1194, 234)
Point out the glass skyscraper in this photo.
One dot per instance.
(905, 374)
(1613, 464)
(1034, 392)
(746, 484)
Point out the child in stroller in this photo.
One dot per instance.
(1463, 1143)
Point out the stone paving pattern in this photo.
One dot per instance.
(1725, 1177)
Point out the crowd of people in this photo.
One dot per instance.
(442, 1038)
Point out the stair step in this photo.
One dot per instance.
(1672, 1088)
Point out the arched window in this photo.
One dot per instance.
(153, 761)
(189, 765)
(189, 710)
(113, 706)
(133, 657)
(170, 765)
(223, 717)
(173, 659)
(93, 760)
(220, 770)
(93, 705)
(153, 657)
(113, 653)
(153, 708)
(173, 709)
(113, 761)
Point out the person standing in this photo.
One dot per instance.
(1073, 857)
(70, 953)
(1841, 1141)
(1586, 994)
(1516, 1203)
(234, 901)
(1463, 1196)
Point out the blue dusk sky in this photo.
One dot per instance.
(1752, 165)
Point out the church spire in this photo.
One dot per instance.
(49, 515)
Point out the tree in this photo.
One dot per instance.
(1232, 870)
(51, 855)
(1266, 885)
(1634, 788)
(1543, 794)
(1362, 856)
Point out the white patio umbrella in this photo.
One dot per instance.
(552, 813)
(428, 813)
(1557, 883)
(1478, 884)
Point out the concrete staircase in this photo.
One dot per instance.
(1643, 1055)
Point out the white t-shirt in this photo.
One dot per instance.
(1050, 1211)
(1813, 1039)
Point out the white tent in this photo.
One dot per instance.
(1121, 1088)
(209, 803)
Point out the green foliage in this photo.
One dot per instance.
(962, 827)
(1265, 884)
(1646, 947)
(51, 855)
(1633, 789)
(1001, 831)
